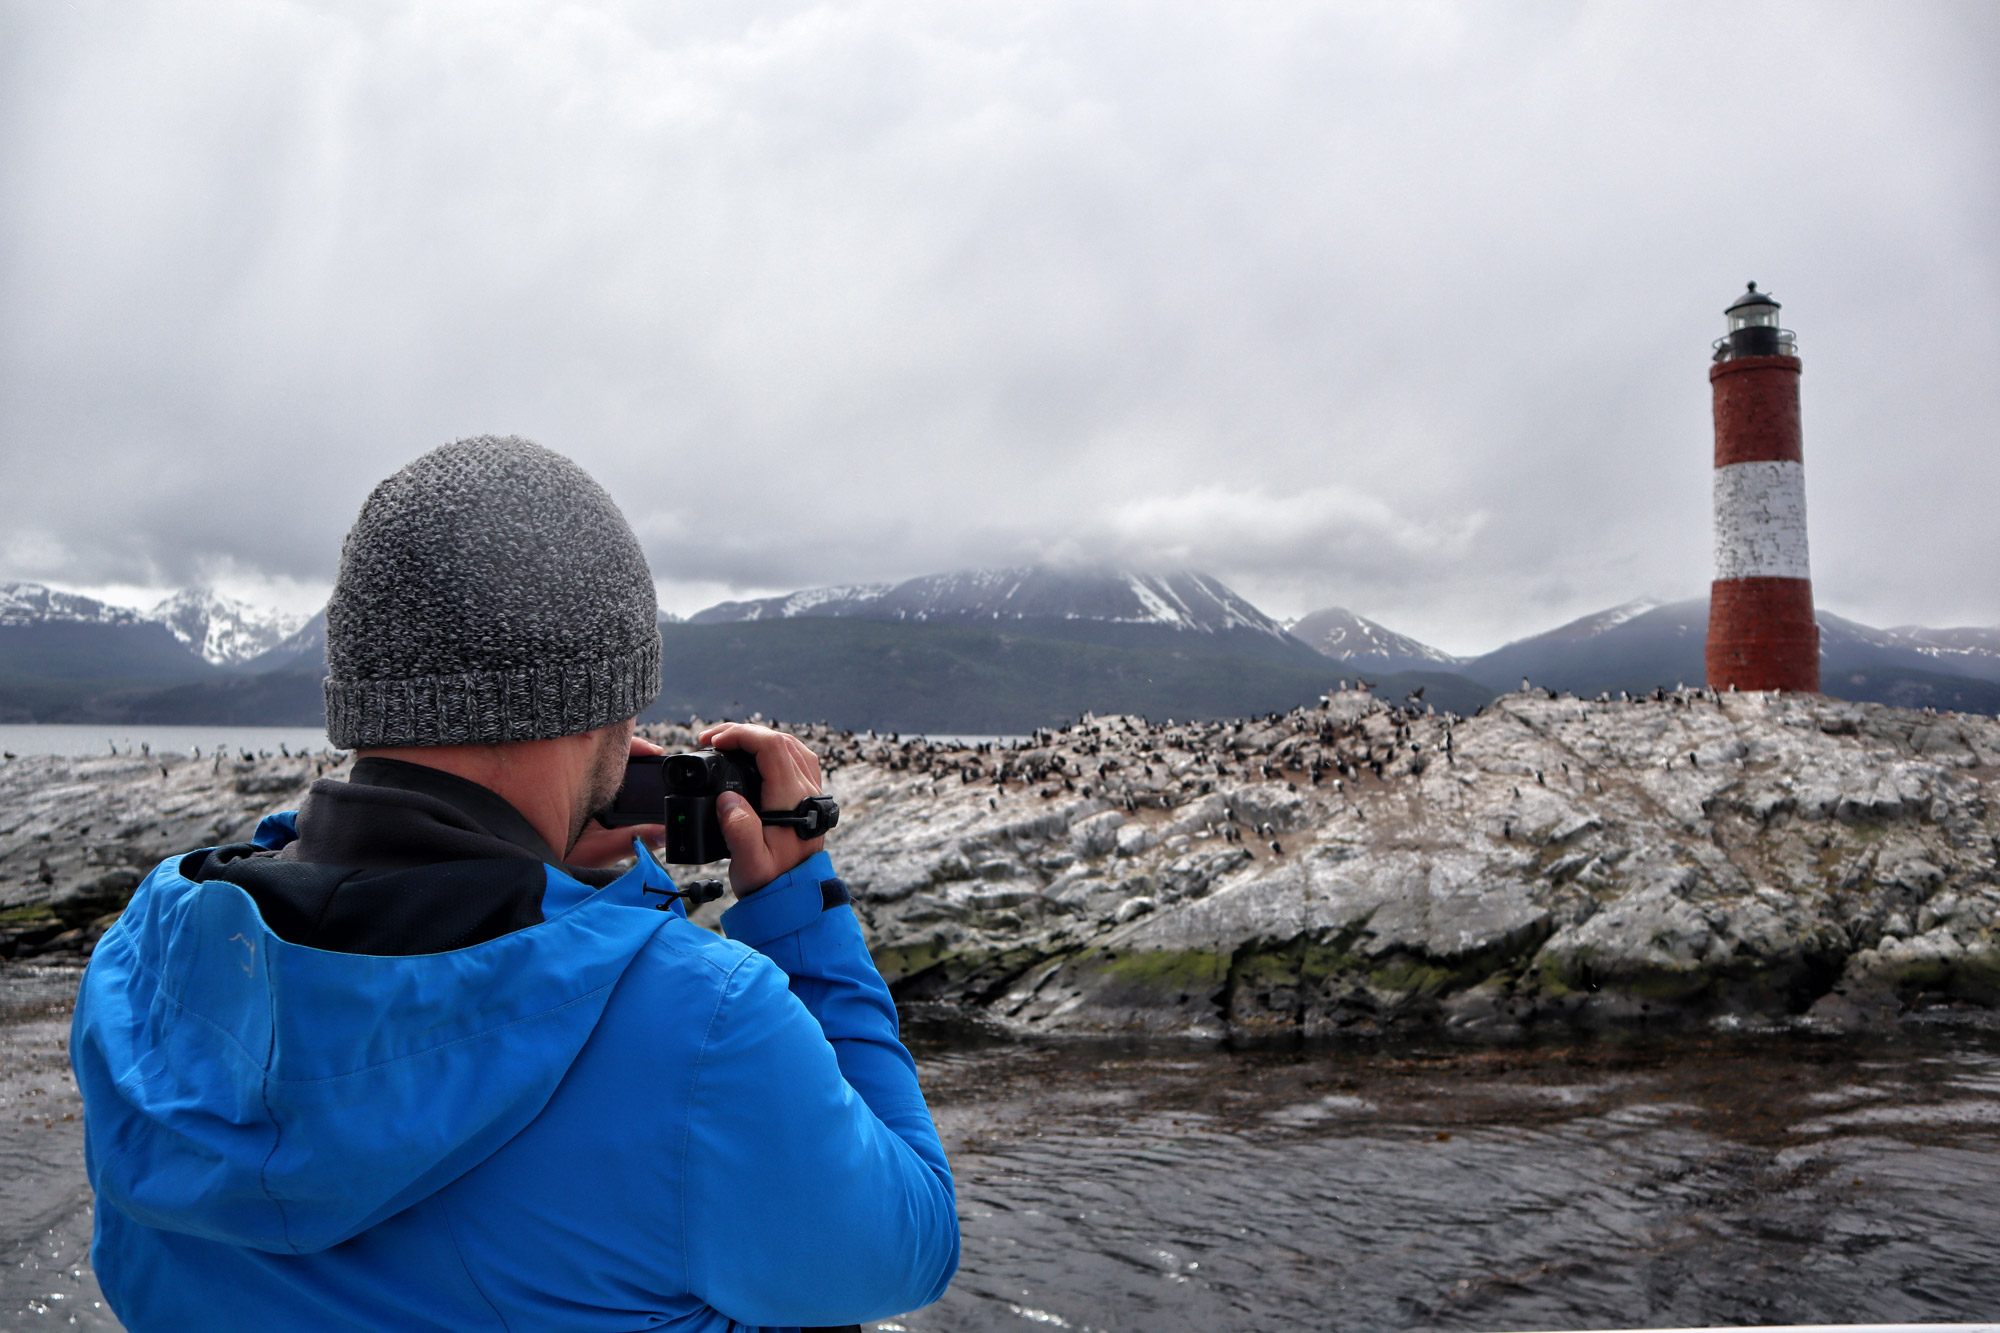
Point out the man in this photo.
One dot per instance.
(406, 1061)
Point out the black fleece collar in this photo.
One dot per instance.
(400, 859)
(390, 814)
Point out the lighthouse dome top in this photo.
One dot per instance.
(1749, 299)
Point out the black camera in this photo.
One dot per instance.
(680, 791)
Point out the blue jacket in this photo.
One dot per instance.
(609, 1120)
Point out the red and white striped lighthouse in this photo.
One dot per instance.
(1761, 631)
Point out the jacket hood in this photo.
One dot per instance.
(261, 1093)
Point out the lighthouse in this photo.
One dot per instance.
(1761, 631)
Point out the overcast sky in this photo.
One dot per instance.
(1399, 306)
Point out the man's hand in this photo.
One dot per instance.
(598, 846)
(757, 854)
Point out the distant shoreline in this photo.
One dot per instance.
(85, 739)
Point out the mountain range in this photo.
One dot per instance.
(1644, 644)
(973, 651)
(999, 651)
(196, 657)
(221, 631)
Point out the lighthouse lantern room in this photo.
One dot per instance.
(1753, 329)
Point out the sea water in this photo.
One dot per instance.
(1174, 1189)
(1670, 1183)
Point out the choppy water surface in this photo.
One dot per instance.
(1696, 1183)
(1103, 1188)
(45, 1279)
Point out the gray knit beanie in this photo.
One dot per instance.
(490, 591)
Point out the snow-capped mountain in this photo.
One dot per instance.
(1964, 651)
(218, 630)
(304, 648)
(1182, 601)
(1338, 633)
(1645, 644)
(1633, 646)
(223, 630)
(850, 599)
(33, 604)
(63, 638)
(1603, 622)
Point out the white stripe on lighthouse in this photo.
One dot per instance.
(1760, 521)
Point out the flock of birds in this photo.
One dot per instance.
(1132, 762)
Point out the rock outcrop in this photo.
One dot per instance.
(1366, 869)
(76, 834)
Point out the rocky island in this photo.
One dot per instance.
(1354, 869)
(1367, 869)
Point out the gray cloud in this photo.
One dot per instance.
(1404, 307)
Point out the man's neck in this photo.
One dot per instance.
(484, 808)
(545, 780)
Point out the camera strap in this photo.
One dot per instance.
(811, 817)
